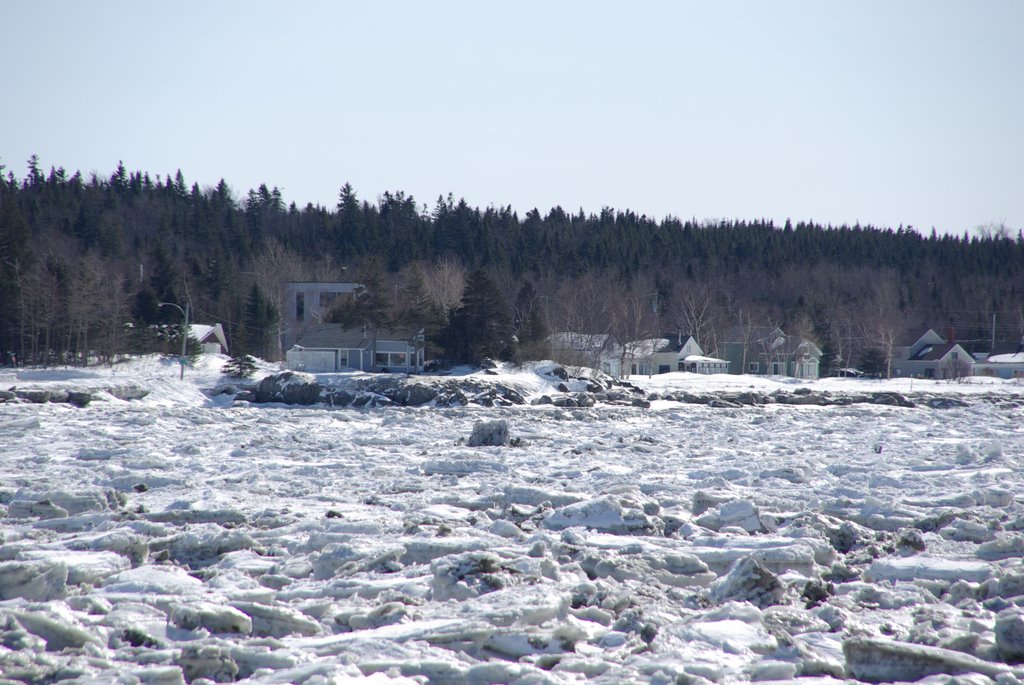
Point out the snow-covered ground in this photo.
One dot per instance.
(181, 537)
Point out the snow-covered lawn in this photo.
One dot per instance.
(183, 537)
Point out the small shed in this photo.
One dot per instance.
(210, 337)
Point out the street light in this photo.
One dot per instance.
(184, 333)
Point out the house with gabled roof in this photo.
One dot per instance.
(768, 350)
(928, 355)
(330, 348)
(679, 352)
(211, 338)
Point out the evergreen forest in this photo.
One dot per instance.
(86, 261)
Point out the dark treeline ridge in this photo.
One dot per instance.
(82, 256)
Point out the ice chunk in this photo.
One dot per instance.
(71, 502)
(1005, 546)
(732, 636)
(58, 632)
(737, 513)
(213, 662)
(889, 660)
(216, 618)
(277, 620)
(423, 551)
(489, 434)
(33, 580)
(922, 567)
(520, 605)
(535, 496)
(461, 576)
(604, 514)
(160, 580)
(82, 567)
(749, 581)
(1010, 635)
(202, 544)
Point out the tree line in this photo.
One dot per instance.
(86, 261)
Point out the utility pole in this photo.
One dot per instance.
(993, 333)
(184, 333)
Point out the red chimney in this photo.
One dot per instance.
(951, 335)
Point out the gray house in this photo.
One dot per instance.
(306, 305)
(328, 348)
(768, 350)
(929, 355)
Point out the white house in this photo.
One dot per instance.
(330, 347)
(683, 353)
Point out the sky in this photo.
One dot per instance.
(885, 113)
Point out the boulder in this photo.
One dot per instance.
(34, 396)
(415, 395)
(290, 387)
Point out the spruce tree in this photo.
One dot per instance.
(480, 327)
(528, 323)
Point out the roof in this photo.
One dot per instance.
(645, 348)
(1011, 358)
(580, 342)
(909, 337)
(675, 340)
(335, 336)
(207, 333)
(758, 335)
(931, 353)
(1006, 348)
(693, 358)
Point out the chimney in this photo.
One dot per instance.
(951, 335)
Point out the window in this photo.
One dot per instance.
(326, 300)
(300, 306)
(664, 368)
(391, 359)
(343, 359)
(956, 355)
(753, 367)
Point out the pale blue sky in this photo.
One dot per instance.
(880, 112)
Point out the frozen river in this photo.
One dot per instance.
(177, 538)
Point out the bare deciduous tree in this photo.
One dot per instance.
(444, 282)
(882, 319)
(694, 310)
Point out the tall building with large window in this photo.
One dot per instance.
(307, 304)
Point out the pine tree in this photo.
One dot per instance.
(259, 319)
(240, 366)
(480, 327)
(528, 323)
